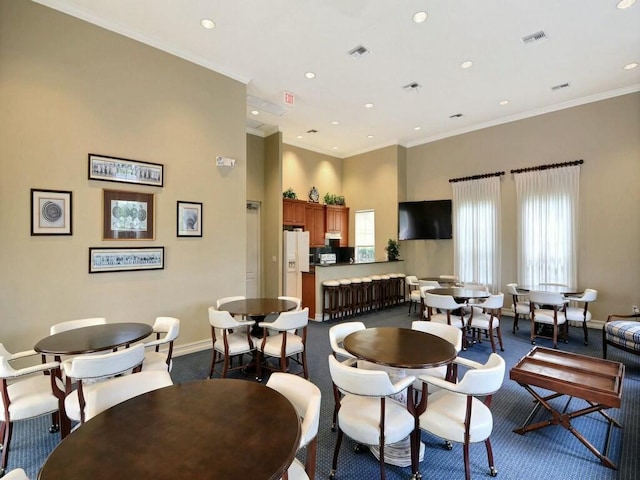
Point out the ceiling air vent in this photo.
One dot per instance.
(412, 87)
(358, 51)
(534, 38)
(560, 87)
(457, 115)
(313, 130)
(266, 106)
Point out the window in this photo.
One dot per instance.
(365, 236)
(476, 231)
(547, 225)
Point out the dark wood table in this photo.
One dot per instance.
(461, 293)
(443, 281)
(551, 289)
(597, 381)
(208, 429)
(95, 338)
(402, 348)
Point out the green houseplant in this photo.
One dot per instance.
(393, 250)
(289, 193)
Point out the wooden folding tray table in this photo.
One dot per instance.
(597, 381)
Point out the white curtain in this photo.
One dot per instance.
(476, 231)
(548, 225)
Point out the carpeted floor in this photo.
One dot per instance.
(551, 453)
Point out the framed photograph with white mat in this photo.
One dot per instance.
(51, 212)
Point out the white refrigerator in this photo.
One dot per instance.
(296, 261)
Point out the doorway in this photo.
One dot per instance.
(253, 289)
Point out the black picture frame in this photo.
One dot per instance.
(189, 219)
(51, 212)
(126, 259)
(124, 170)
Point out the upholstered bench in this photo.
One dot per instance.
(621, 331)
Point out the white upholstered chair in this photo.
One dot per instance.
(452, 335)
(412, 291)
(223, 300)
(73, 324)
(455, 414)
(520, 305)
(296, 300)
(92, 371)
(230, 338)
(578, 310)
(485, 318)
(548, 308)
(440, 308)
(167, 330)
(16, 474)
(305, 397)
(337, 334)
(366, 407)
(284, 345)
(25, 393)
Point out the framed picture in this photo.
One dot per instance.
(114, 169)
(50, 212)
(189, 219)
(127, 215)
(111, 259)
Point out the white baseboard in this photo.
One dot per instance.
(192, 347)
(592, 324)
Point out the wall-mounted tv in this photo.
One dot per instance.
(425, 220)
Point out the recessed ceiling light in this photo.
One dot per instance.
(417, 128)
(334, 148)
(335, 122)
(255, 112)
(504, 102)
(420, 17)
(369, 136)
(299, 136)
(208, 23)
(622, 4)
(310, 75)
(466, 64)
(630, 66)
(368, 105)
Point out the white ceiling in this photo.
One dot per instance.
(269, 45)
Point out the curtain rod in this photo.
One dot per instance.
(476, 177)
(547, 167)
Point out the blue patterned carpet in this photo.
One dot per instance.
(550, 453)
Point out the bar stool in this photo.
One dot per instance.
(401, 296)
(331, 299)
(385, 289)
(394, 288)
(367, 293)
(377, 292)
(346, 293)
(356, 296)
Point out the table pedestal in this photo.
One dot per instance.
(398, 454)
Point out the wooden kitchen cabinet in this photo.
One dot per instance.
(315, 224)
(309, 292)
(337, 221)
(293, 212)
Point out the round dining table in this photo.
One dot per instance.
(208, 429)
(461, 293)
(258, 307)
(401, 349)
(563, 289)
(96, 338)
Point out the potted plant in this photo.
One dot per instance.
(289, 193)
(393, 250)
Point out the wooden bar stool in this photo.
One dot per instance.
(367, 293)
(385, 290)
(400, 288)
(377, 292)
(356, 296)
(330, 299)
(346, 294)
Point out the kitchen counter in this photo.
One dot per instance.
(337, 271)
(352, 264)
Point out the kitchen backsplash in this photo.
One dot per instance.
(343, 254)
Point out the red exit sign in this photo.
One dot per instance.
(289, 98)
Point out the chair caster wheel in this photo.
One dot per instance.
(333, 427)
(448, 445)
(359, 448)
(533, 343)
(493, 472)
(332, 475)
(54, 428)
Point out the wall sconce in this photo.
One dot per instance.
(225, 162)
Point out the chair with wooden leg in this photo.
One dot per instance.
(548, 308)
(231, 338)
(581, 313)
(520, 305)
(487, 320)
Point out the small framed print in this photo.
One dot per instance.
(189, 219)
(50, 212)
(114, 169)
(113, 259)
(127, 215)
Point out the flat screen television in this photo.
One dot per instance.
(425, 220)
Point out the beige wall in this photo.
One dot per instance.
(370, 182)
(303, 169)
(606, 135)
(68, 88)
(255, 168)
